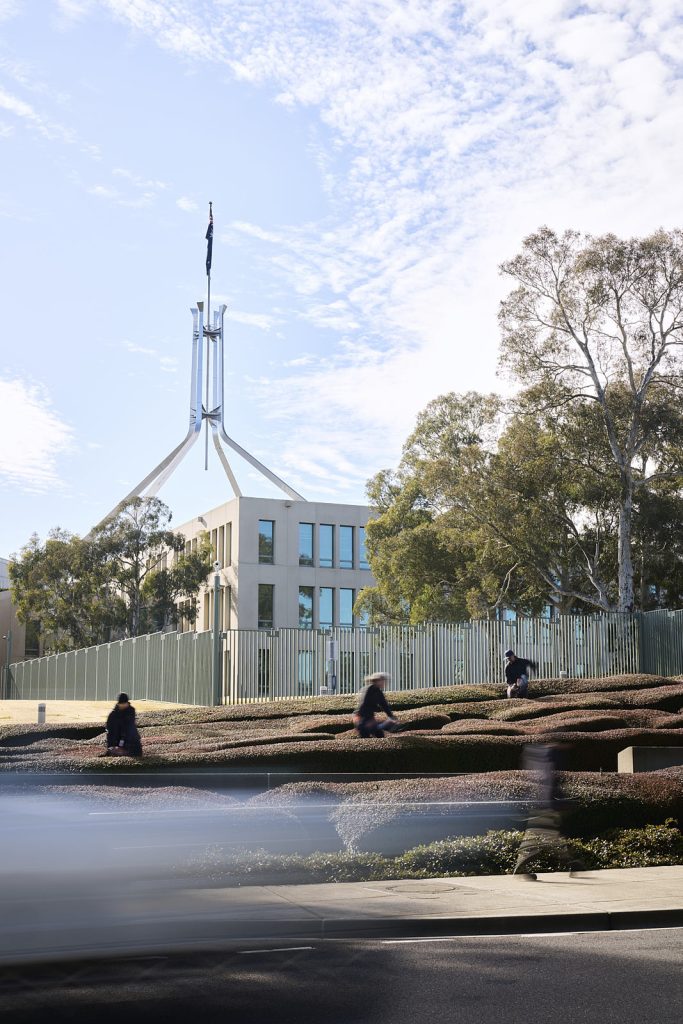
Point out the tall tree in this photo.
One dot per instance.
(123, 579)
(138, 544)
(591, 318)
(62, 590)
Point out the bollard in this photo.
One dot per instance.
(41, 714)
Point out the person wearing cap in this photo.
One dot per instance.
(517, 674)
(371, 701)
(123, 737)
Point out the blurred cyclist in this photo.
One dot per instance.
(371, 701)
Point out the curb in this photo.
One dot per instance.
(222, 935)
(418, 927)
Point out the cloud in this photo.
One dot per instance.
(27, 113)
(8, 9)
(141, 191)
(32, 436)
(186, 204)
(167, 364)
(260, 320)
(104, 192)
(447, 133)
(139, 182)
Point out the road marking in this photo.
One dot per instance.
(281, 949)
(401, 942)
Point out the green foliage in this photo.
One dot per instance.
(492, 854)
(64, 587)
(570, 495)
(115, 582)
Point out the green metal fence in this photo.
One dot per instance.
(661, 643)
(266, 665)
(174, 667)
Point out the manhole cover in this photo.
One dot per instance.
(420, 889)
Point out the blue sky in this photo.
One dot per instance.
(370, 164)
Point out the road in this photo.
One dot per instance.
(610, 978)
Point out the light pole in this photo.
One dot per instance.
(8, 660)
(216, 674)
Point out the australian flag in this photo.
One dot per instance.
(209, 240)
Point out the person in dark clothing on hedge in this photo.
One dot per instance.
(371, 701)
(517, 674)
(543, 830)
(122, 732)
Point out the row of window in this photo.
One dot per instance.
(221, 544)
(335, 607)
(323, 551)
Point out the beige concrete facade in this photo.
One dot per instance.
(9, 623)
(234, 532)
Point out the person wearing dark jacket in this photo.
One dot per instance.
(371, 701)
(122, 732)
(517, 674)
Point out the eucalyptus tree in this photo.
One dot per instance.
(600, 320)
(124, 578)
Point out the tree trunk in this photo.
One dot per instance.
(625, 556)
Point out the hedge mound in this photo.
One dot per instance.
(595, 801)
(440, 734)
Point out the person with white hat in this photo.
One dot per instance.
(371, 701)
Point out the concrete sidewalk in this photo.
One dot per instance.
(593, 900)
(66, 712)
(151, 919)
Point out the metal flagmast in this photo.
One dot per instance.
(210, 410)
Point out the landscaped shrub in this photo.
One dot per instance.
(495, 853)
(596, 721)
(484, 727)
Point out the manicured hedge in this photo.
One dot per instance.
(492, 854)
(595, 802)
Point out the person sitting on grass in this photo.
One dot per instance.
(123, 737)
(371, 701)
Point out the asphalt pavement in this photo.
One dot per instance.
(624, 977)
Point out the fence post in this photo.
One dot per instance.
(216, 682)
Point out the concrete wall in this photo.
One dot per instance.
(242, 573)
(648, 759)
(9, 621)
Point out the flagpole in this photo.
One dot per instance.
(209, 254)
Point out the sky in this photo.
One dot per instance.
(371, 163)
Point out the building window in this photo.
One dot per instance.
(305, 543)
(266, 541)
(326, 547)
(265, 605)
(346, 547)
(305, 607)
(362, 554)
(227, 550)
(345, 607)
(326, 607)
